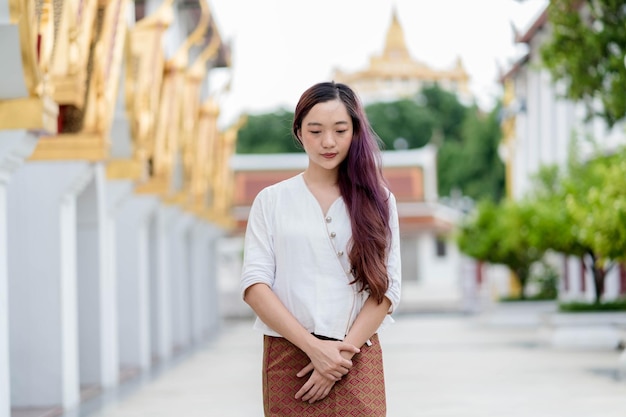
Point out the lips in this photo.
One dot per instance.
(329, 155)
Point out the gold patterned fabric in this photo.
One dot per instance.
(360, 393)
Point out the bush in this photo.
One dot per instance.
(582, 307)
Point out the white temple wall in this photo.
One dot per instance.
(133, 273)
(43, 282)
(15, 146)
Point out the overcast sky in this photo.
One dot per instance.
(281, 47)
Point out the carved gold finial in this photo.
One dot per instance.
(395, 44)
(181, 57)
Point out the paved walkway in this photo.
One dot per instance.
(436, 366)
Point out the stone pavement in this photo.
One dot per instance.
(436, 366)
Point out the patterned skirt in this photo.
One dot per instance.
(359, 393)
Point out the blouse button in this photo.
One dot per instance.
(333, 234)
(340, 253)
(329, 219)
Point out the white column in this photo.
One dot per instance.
(180, 276)
(212, 309)
(203, 281)
(97, 293)
(160, 282)
(132, 261)
(42, 281)
(5, 368)
(14, 147)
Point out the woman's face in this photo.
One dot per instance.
(326, 134)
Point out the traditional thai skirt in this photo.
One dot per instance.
(359, 393)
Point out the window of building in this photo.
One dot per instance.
(440, 247)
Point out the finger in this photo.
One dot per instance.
(303, 390)
(311, 394)
(348, 347)
(305, 370)
(318, 395)
(324, 393)
(345, 367)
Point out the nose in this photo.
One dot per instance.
(328, 141)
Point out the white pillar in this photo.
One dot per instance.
(132, 261)
(180, 270)
(203, 281)
(14, 147)
(160, 282)
(212, 307)
(42, 281)
(97, 292)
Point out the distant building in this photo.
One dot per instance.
(538, 126)
(395, 74)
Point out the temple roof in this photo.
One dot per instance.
(395, 44)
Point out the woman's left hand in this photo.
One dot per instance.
(316, 388)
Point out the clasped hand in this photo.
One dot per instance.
(330, 360)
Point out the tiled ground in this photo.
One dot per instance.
(436, 366)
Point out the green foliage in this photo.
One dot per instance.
(472, 163)
(447, 109)
(267, 133)
(502, 234)
(581, 211)
(582, 307)
(546, 278)
(601, 212)
(586, 51)
(402, 119)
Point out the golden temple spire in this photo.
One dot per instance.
(395, 45)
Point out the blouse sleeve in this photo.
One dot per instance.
(258, 253)
(394, 266)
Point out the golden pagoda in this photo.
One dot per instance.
(395, 74)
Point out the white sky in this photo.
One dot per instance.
(281, 47)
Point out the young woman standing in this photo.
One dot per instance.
(322, 265)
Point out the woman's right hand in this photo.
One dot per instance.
(326, 358)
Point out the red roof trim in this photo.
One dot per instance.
(515, 68)
(534, 28)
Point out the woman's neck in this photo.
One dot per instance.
(321, 178)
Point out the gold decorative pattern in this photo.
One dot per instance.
(36, 111)
(169, 134)
(85, 131)
(223, 178)
(68, 68)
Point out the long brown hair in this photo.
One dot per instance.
(362, 187)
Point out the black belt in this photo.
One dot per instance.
(325, 337)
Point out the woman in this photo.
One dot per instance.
(322, 265)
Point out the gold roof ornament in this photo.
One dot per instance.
(395, 44)
(175, 99)
(144, 67)
(34, 109)
(394, 74)
(84, 132)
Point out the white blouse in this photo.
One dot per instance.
(302, 256)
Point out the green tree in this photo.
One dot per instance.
(472, 164)
(586, 51)
(267, 133)
(448, 110)
(582, 212)
(598, 209)
(404, 119)
(502, 234)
